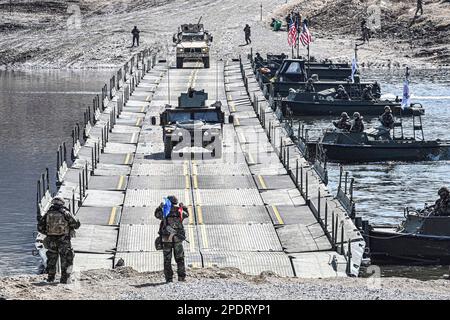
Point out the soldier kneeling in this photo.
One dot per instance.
(59, 225)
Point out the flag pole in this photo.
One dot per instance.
(309, 62)
(298, 36)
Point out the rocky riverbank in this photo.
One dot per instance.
(228, 283)
(96, 33)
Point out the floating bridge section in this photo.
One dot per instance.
(260, 207)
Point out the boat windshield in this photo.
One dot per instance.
(294, 67)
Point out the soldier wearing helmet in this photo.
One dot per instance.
(341, 93)
(367, 94)
(59, 225)
(442, 205)
(309, 86)
(343, 123)
(171, 230)
(357, 125)
(387, 119)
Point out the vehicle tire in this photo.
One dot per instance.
(167, 150)
(206, 63)
(179, 63)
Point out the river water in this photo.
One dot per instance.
(382, 190)
(38, 110)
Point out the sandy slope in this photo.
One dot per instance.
(37, 35)
(125, 283)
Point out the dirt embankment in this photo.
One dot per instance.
(227, 283)
(96, 33)
(425, 37)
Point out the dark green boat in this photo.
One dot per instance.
(324, 103)
(377, 145)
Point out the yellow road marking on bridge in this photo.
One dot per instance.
(191, 239)
(146, 99)
(237, 121)
(138, 122)
(250, 159)
(120, 184)
(194, 169)
(204, 236)
(112, 216)
(243, 140)
(134, 138)
(187, 182)
(199, 198)
(127, 158)
(143, 107)
(200, 215)
(277, 215)
(195, 182)
(191, 215)
(263, 183)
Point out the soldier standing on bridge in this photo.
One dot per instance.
(135, 32)
(59, 225)
(172, 234)
(247, 32)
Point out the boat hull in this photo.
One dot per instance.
(396, 248)
(413, 151)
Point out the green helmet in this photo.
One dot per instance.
(356, 115)
(443, 190)
(58, 201)
(173, 199)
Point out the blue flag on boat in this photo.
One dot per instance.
(166, 207)
(354, 69)
(406, 94)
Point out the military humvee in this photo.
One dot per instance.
(192, 127)
(192, 42)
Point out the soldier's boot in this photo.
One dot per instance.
(51, 278)
(64, 278)
(181, 279)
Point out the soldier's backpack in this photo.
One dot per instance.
(57, 225)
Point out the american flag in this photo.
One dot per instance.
(292, 36)
(305, 36)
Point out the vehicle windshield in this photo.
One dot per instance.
(193, 37)
(207, 116)
(178, 116)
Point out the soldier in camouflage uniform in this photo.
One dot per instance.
(172, 233)
(358, 124)
(442, 205)
(59, 225)
(387, 119)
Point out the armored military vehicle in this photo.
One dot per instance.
(192, 43)
(192, 127)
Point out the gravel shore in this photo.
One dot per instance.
(229, 283)
(96, 33)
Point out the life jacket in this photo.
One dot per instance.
(57, 225)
